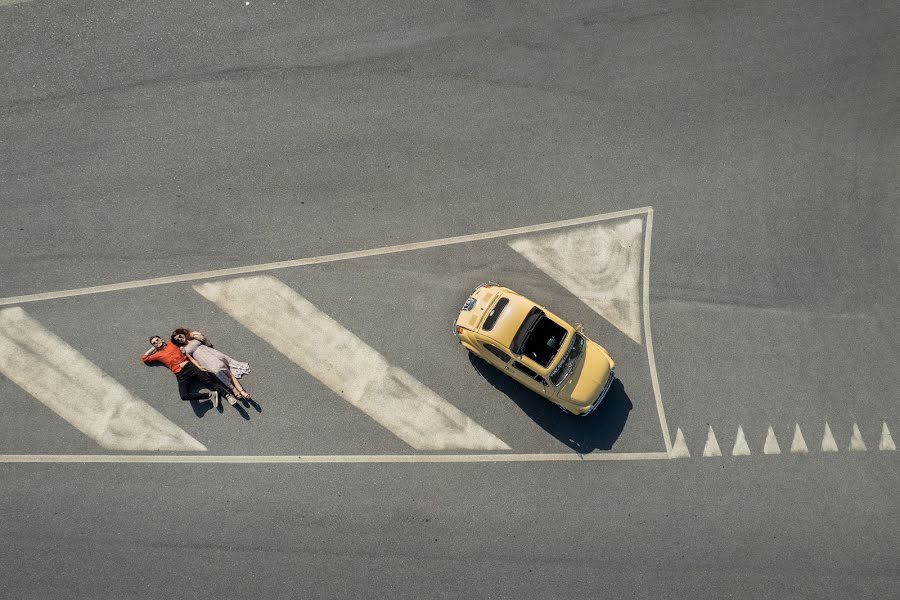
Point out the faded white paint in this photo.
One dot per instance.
(828, 443)
(711, 448)
(856, 442)
(347, 365)
(798, 444)
(331, 458)
(771, 446)
(680, 449)
(740, 444)
(887, 442)
(600, 264)
(73, 387)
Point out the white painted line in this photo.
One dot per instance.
(77, 390)
(319, 459)
(740, 444)
(286, 264)
(680, 449)
(600, 264)
(712, 444)
(828, 443)
(648, 338)
(347, 365)
(798, 445)
(771, 446)
(887, 442)
(856, 442)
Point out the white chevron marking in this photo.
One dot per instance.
(347, 365)
(77, 390)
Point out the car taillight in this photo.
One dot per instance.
(459, 329)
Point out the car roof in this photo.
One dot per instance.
(508, 324)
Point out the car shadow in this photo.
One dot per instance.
(597, 431)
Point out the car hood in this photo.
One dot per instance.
(587, 380)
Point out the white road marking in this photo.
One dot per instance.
(80, 392)
(771, 446)
(828, 443)
(798, 445)
(856, 442)
(740, 444)
(887, 442)
(316, 260)
(318, 459)
(680, 449)
(347, 365)
(600, 264)
(712, 444)
(648, 338)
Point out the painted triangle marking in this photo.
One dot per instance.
(828, 443)
(76, 389)
(680, 449)
(887, 442)
(712, 444)
(600, 263)
(798, 445)
(856, 442)
(740, 444)
(771, 446)
(347, 365)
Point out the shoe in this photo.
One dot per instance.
(214, 398)
(231, 399)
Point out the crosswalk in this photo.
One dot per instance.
(771, 446)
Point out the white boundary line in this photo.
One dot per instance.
(651, 357)
(318, 459)
(316, 260)
(200, 275)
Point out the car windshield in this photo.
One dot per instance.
(539, 337)
(568, 361)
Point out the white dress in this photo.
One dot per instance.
(216, 362)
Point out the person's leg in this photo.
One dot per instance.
(209, 381)
(239, 389)
(184, 386)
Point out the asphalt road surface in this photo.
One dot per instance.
(730, 168)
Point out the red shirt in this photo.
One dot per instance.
(169, 355)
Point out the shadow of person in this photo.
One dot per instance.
(597, 431)
(248, 402)
(201, 407)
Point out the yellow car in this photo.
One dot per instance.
(535, 347)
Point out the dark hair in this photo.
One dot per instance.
(153, 337)
(185, 332)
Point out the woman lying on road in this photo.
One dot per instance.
(199, 351)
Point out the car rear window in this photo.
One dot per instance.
(495, 314)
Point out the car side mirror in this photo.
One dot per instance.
(579, 327)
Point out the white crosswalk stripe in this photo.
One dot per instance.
(347, 365)
(80, 392)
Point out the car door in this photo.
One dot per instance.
(527, 377)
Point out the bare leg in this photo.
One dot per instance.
(237, 386)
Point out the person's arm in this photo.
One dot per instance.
(191, 358)
(196, 335)
(148, 355)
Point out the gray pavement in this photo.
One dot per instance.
(160, 139)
